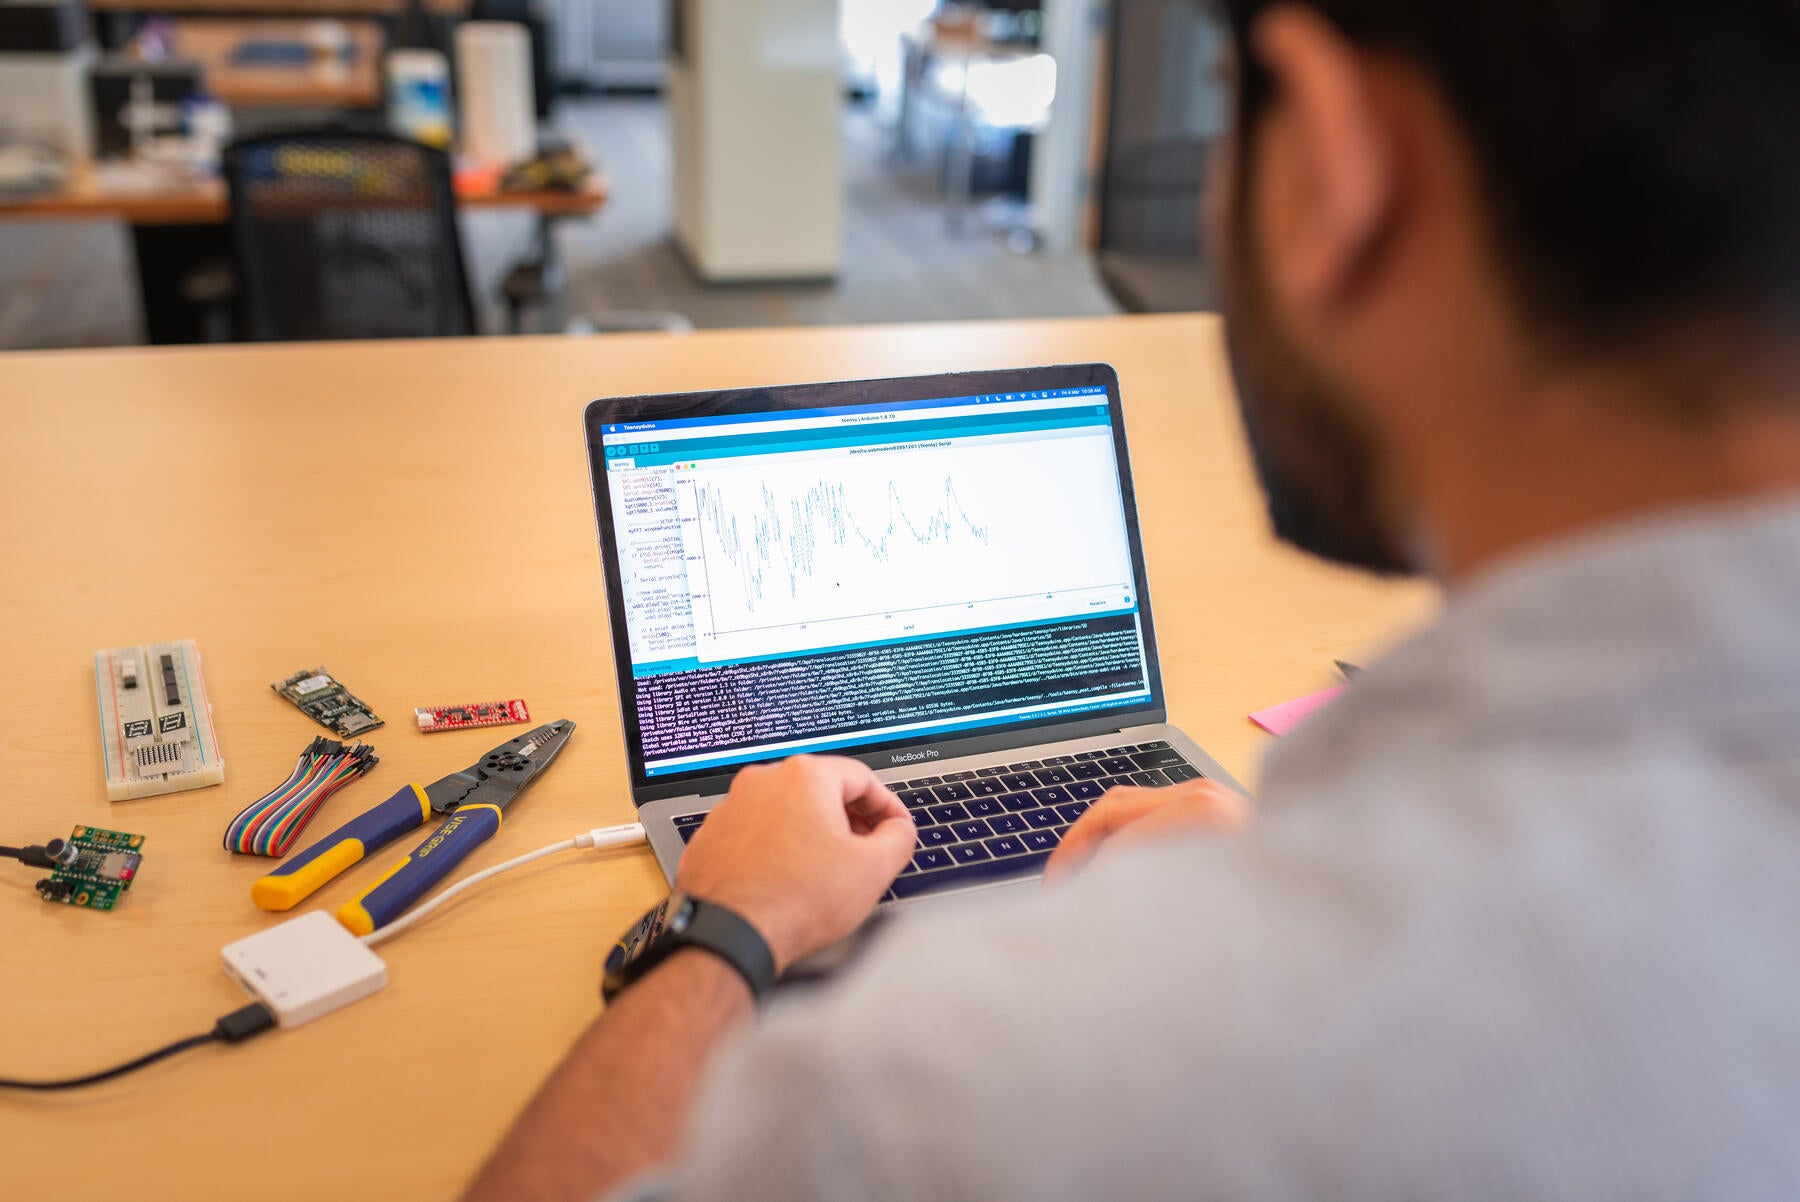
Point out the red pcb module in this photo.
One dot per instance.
(468, 717)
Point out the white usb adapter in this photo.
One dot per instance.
(305, 968)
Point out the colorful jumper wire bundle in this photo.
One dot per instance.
(269, 825)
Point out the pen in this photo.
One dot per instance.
(1350, 671)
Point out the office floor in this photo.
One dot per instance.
(70, 283)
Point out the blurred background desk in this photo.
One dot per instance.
(1093, 174)
(284, 8)
(353, 118)
(179, 226)
(203, 202)
(226, 50)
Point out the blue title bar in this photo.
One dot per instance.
(726, 419)
(661, 454)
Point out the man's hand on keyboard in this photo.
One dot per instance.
(802, 849)
(1124, 815)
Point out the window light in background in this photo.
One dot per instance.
(870, 31)
(1009, 93)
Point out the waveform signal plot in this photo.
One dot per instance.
(831, 552)
(779, 549)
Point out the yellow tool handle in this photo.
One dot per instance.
(300, 877)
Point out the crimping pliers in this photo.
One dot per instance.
(473, 799)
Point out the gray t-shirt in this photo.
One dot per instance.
(1520, 918)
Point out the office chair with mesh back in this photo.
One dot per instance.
(345, 234)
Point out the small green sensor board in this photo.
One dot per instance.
(94, 868)
(328, 703)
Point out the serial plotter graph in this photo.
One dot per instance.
(785, 553)
(838, 548)
(801, 536)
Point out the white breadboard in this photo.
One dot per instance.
(156, 727)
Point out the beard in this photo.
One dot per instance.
(1318, 464)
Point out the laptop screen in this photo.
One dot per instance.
(854, 575)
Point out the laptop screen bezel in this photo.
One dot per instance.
(904, 750)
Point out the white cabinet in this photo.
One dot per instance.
(753, 91)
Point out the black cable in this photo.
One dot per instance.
(37, 855)
(182, 1045)
(235, 1027)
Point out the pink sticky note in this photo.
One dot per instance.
(1279, 719)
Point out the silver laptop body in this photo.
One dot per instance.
(939, 575)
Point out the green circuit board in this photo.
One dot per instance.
(98, 870)
(327, 702)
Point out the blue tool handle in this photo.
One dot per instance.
(427, 864)
(300, 877)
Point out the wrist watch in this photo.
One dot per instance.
(682, 920)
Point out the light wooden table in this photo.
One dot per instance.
(417, 517)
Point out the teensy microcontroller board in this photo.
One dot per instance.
(328, 703)
(94, 868)
(467, 717)
(156, 728)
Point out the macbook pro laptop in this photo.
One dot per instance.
(938, 575)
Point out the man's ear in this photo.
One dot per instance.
(1326, 185)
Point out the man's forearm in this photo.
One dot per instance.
(614, 1107)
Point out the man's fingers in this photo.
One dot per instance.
(863, 825)
(1113, 810)
(1197, 803)
(852, 781)
(892, 840)
(834, 781)
(877, 805)
(1227, 812)
(866, 798)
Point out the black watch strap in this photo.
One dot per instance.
(681, 921)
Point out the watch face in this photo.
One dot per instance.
(641, 935)
(678, 922)
(680, 913)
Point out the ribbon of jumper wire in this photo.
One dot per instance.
(269, 825)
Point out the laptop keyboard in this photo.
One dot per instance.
(1000, 822)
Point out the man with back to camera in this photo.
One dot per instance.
(1513, 298)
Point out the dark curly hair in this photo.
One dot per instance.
(1640, 158)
